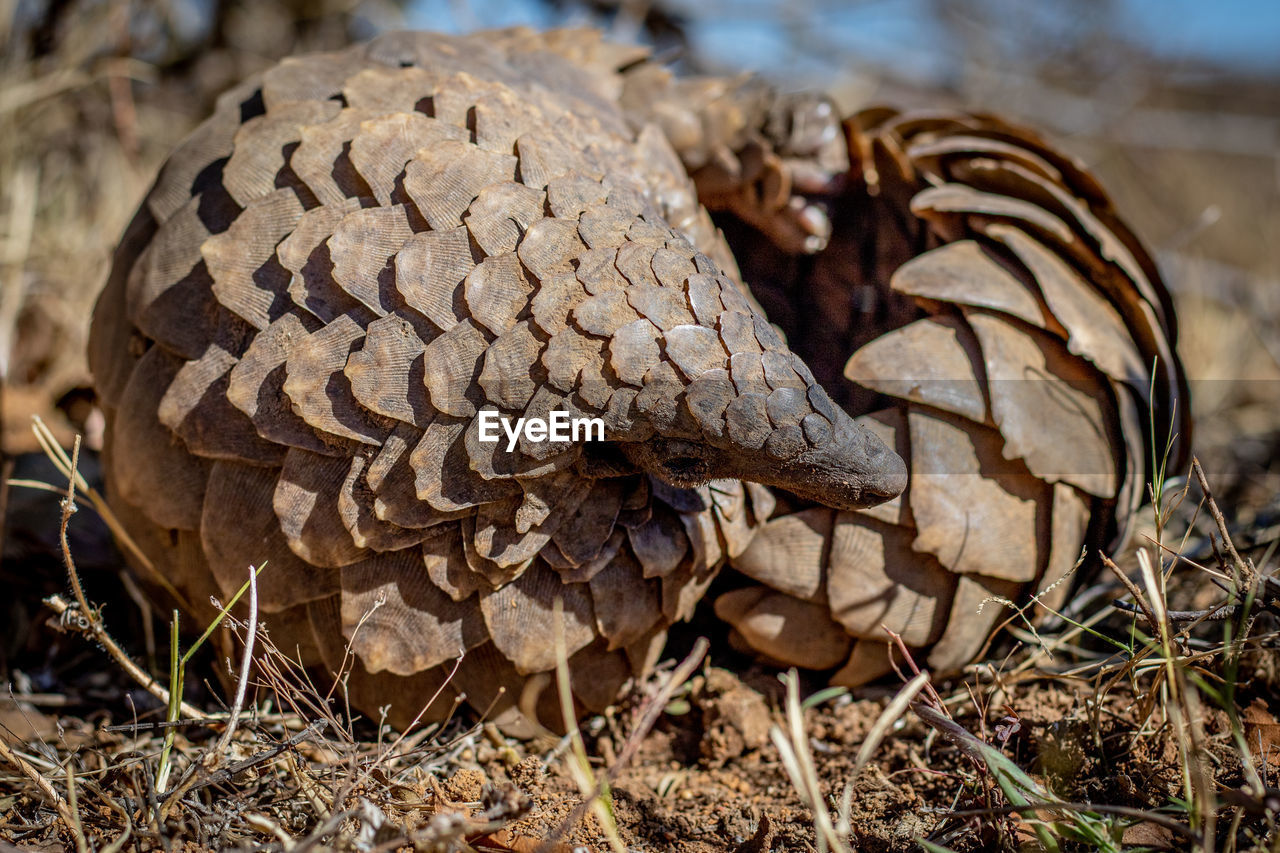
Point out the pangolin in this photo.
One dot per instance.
(1007, 334)
(363, 253)
(360, 258)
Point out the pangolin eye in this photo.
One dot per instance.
(684, 464)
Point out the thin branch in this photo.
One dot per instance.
(60, 607)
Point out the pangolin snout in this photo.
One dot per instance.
(852, 470)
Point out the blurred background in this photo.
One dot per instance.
(1174, 103)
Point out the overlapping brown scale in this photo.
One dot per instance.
(978, 606)
(321, 159)
(247, 277)
(505, 550)
(876, 580)
(967, 273)
(170, 259)
(1086, 187)
(550, 247)
(659, 543)
(736, 519)
(318, 77)
(974, 510)
(446, 564)
(1094, 328)
(508, 378)
(555, 453)
(319, 390)
(358, 511)
(305, 254)
(442, 469)
(604, 226)
(792, 555)
(1071, 511)
(1143, 328)
(239, 528)
(380, 149)
(946, 206)
(707, 398)
(1112, 269)
(542, 158)
(1135, 433)
(1105, 247)
(935, 361)
(1048, 406)
(430, 267)
(425, 696)
(518, 616)
(694, 350)
(554, 301)
(361, 248)
(394, 483)
(635, 258)
(603, 314)
(256, 387)
(625, 602)
(259, 147)
(588, 526)
(397, 620)
(685, 587)
(502, 213)
(498, 115)
(559, 493)
(445, 179)
(196, 408)
(453, 362)
(868, 661)
(150, 467)
(306, 506)
(108, 351)
(766, 620)
(933, 154)
(496, 292)
(190, 170)
(486, 445)
(387, 372)
(661, 401)
(598, 675)
(634, 350)
(585, 572)
(389, 89)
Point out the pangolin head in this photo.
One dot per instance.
(722, 396)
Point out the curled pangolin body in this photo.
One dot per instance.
(364, 254)
(359, 258)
